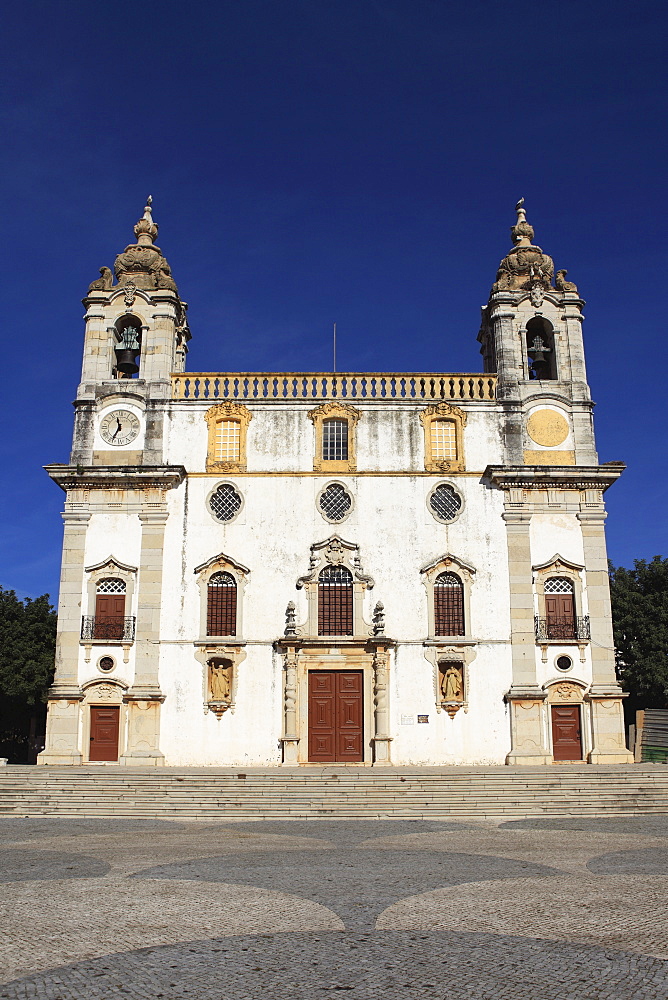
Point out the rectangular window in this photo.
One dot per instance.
(335, 441)
(443, 441)
(228, 440)
(221, 618)
(335, 609)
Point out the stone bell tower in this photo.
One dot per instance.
(136, 335)
(553, 486)
(116, 485)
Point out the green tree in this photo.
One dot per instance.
(640, 620)
(27, 646)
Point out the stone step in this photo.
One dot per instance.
(273, 793)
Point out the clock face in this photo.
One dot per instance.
(119, 427)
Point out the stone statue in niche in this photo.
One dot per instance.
(220, 681)
(451, 686)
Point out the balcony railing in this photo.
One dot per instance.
(108, 629)
(562, 629)
(316, 385)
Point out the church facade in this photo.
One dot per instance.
(312, 568)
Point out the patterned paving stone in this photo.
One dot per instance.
(355, 884)
(639, 826)
(15, 829)
(29, 866)
(651, 861)
(390, 965)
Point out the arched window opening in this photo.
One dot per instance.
(448, 605)
(541, 360)
(443, 441)
(128, 347)
(227, 441)
(335, 440)
(335, 601)
(221, 605)
(110, 609)
(560, 608)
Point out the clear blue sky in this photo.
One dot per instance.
(313, 161)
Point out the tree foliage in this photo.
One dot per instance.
(640, 620)
(27, 646)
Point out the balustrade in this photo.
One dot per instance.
(320, 386)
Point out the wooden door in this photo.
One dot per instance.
(560, 613)
(104, 721)
(109, 616)
(566, 741)
(335, 715)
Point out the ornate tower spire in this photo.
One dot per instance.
(526, 265)
(146, 229)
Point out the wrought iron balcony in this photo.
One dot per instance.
(562, 629)
(108, 629)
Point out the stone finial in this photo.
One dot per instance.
(379, 619)
(526, 267)
(146, 229)
(522, 232)
(290, 620)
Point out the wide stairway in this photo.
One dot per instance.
(333, 792)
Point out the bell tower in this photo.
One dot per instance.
(554, 512)
(531, 337)
(136, 335)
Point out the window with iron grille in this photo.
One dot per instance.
(335, 502)
(225, 502)
(111, 586)
(448, 605)
(445, 503)
(227, 441)
(443, 441)
(221, 606)
(335, 601)
(558, 585)
(335, 440)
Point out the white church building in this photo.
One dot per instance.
(310, 568)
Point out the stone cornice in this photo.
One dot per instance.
(76, 477)
(574, 477)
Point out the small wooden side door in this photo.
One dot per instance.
(566, 740)
(104, 725)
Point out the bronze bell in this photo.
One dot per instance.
(125, 362)
(538, 350)
(127, 351)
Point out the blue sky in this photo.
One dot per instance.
(314, 161)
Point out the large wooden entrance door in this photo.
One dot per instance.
(566, 741)
(335, 715)
(104, 732)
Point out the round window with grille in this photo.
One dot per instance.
(335, 502)
(225, 502)
(445, 503)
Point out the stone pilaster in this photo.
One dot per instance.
(290, 737)
(528, 731)
(605, 695)
(381, 737)
(62, 731)
(145, 697)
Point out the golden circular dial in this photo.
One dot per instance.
(119, 427)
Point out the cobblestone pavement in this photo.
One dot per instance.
(531, 910)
